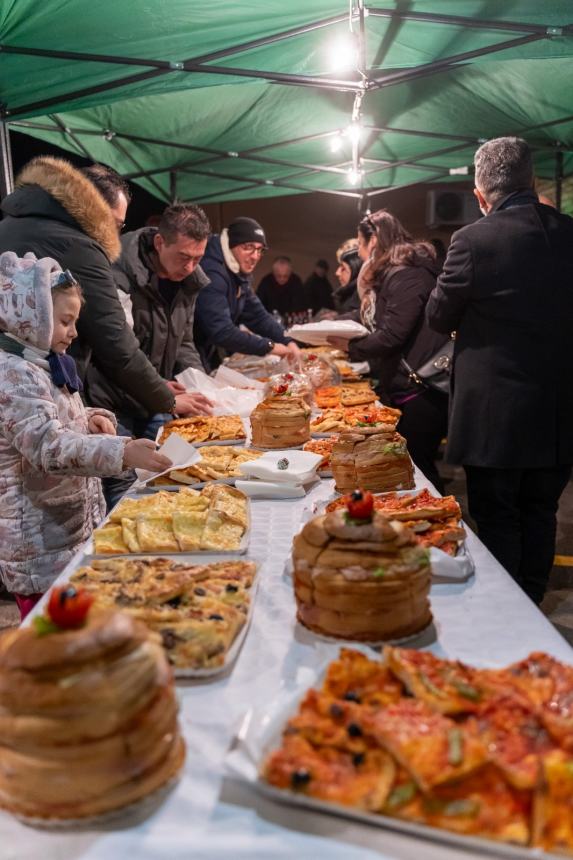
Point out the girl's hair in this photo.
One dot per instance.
(352, 260)
(394, 245)
(65, 283)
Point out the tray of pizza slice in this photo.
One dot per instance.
(437, 523)
(428, 747)
(215, 519)
(201, 609)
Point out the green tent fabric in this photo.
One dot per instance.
(435, 86)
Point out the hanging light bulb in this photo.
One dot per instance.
(336, 143)
(354, 132)
(354, 175)
(342, 54)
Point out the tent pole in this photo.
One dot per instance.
(558, 179)
(6, 172)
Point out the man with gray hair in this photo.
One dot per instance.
(507, 292)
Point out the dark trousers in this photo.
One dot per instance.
(138, 428)
(515, 512)
(424, 423)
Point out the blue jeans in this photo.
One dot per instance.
(138, 428)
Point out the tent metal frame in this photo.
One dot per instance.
(368, 80)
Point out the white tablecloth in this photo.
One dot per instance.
(486, 620)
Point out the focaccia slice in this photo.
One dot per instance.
(109, 539)
(199, 642)
(221, 533)
(481, 804)
(155, 534)
(232, 502)
(433, 748)
(553, 805)
(188, 528)
(325, 721)
(360, 780)
(237, 572)
(129, 532)
(233, 594)
(156, 503)
(448, 686)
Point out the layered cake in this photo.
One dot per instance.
(280, 423)
(88, 714)
(285, 385)
(360, 576)
(375, 459)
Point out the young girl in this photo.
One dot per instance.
(52, 449)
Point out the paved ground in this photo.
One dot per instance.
(558, 603)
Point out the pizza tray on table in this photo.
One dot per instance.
(261, 733)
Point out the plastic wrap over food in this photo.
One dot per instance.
(320, 369)
(290, 385)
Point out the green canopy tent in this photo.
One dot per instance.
(224, 100)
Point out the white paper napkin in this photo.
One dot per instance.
(227, 400)
(181, 454)
(269, 490)
(301, 467)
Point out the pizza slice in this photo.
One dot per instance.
(155, 534)
(480, 804)
(515, 739)
(356, 678)
(233, 594)
(553, 805)
(108, 539)
(447, 686)
(358, 397)
(235, 572)
(548, 685)
(326, 721)
(432, 747)
(361, 780)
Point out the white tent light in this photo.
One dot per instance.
(342, 54)
(336, 143)
(354, 132)
(354, 176)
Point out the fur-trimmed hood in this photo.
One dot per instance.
(78, 196)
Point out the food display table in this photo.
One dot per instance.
(486, 620)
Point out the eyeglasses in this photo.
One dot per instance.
(65, 279)
(249, 248)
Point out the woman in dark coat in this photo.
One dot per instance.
(394, 286)
(346, 299)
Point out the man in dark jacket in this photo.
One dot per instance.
(228, 301)
(506, 289)
(57, 211)
(281, 290)
(158, 278)
(318, 289)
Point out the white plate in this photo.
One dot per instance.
(317, 334)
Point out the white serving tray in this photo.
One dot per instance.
(182, 558)
(88, 548)
(261, 732)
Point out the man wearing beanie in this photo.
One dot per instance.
(228, 301)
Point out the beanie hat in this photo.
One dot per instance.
(245, 230)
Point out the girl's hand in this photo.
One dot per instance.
(101, 424)
(142, 454)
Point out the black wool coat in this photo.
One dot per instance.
(401, 329)
(56, 212)
(507, 290)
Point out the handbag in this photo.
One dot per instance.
(434, 374)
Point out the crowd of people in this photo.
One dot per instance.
(95, 325)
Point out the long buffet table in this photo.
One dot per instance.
(486, 620)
